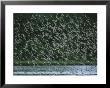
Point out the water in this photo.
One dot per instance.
(55, 70)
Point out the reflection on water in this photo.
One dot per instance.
(55, 70)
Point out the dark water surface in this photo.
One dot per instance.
(55, 70)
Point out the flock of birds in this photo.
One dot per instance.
(60, 37)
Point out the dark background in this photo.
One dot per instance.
(55, 39)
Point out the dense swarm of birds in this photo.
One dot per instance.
(60, 37)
